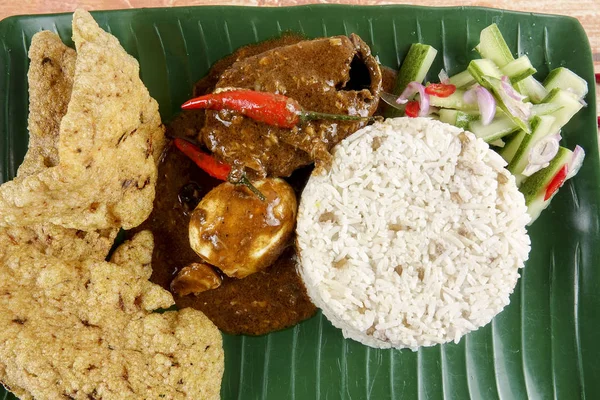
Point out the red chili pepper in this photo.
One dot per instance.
(205, 161)
(440, 89)
(412, 109)
(556, 182)
(212, 166)
(269, 108)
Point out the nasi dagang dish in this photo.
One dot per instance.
(290, 182)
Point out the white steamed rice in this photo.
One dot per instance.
(414, 237)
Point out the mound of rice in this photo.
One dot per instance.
(414, 237)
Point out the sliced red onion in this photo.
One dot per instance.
(485, 102)
(544, 150)
(443, 76)
(576, 162)
(542, 153)
(510, 90)
(514, 101)
(412, 89)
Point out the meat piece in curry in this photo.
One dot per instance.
(240, 234)
(333, 75)
(336, 75)
(195, 278)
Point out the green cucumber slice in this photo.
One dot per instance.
(565, 79)
(534, 187)
(495, 86)
(533, 90)
(488, 75)
(512, 145)
(493, 47)
(568, 105)
(541, 127)
(457, 118)
(462, 79)
(455, 101)
(518, 69)
(498, 143)
(544, 108)
(414, 68)
(480, 68)
(501, 126)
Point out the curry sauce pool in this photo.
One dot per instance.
(275, 298)
(260, 303)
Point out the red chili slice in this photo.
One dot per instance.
(556, 182)
(412, 109)
(440, 89)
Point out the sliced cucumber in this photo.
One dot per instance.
(488, 75)
(414, 69)
(501, 126)
(512, 145)
(534, 187)
(518, 69)
(544, 108)
(462, 79)
(457, 118)
(540, 128)
(493, 46)
(455, 101)
(505, 102)
(565, 79)
(498, 143)
(568, 105)
(482, 67)
(533, 90)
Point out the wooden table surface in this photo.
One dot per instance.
(586, 11)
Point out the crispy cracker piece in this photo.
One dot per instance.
(109, 142)
(85, 330)
(50, 78)
(51, 72)
(59, 242)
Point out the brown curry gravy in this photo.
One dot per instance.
(260, 303)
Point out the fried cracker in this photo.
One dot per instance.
(85, 330)
(74, 325)
(59, 242)
(109, 142)
(50, 79)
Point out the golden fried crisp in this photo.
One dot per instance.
(59, 242)
(73, 325)
(86, 330)
(50, 79)
(109, 141)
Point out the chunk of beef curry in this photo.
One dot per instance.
(333, 75)
(336, 75)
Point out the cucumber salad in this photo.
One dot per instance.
(498, 99)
